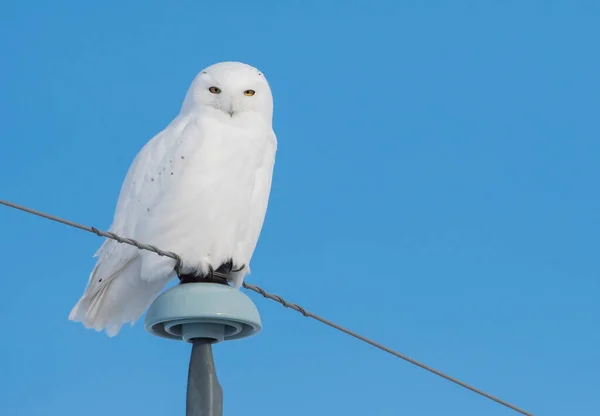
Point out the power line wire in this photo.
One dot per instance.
(267, 295)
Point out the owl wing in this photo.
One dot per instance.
(139, 193)
(258, 204)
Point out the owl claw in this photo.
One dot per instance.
(227, 268)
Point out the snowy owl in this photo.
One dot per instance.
(199, 188)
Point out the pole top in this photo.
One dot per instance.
(211, 311)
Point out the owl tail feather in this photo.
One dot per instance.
(123, 298)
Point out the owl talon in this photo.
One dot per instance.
(239, 269)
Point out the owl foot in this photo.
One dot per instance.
(220, 275)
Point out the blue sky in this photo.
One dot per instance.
(436, 188)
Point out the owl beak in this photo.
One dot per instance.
(230, 110)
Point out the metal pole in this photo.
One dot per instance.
(204, 393)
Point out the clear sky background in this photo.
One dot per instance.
(436, 188)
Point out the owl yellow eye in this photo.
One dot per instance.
(249, 93)
(215, 90)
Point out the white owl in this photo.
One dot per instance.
(199, 188)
